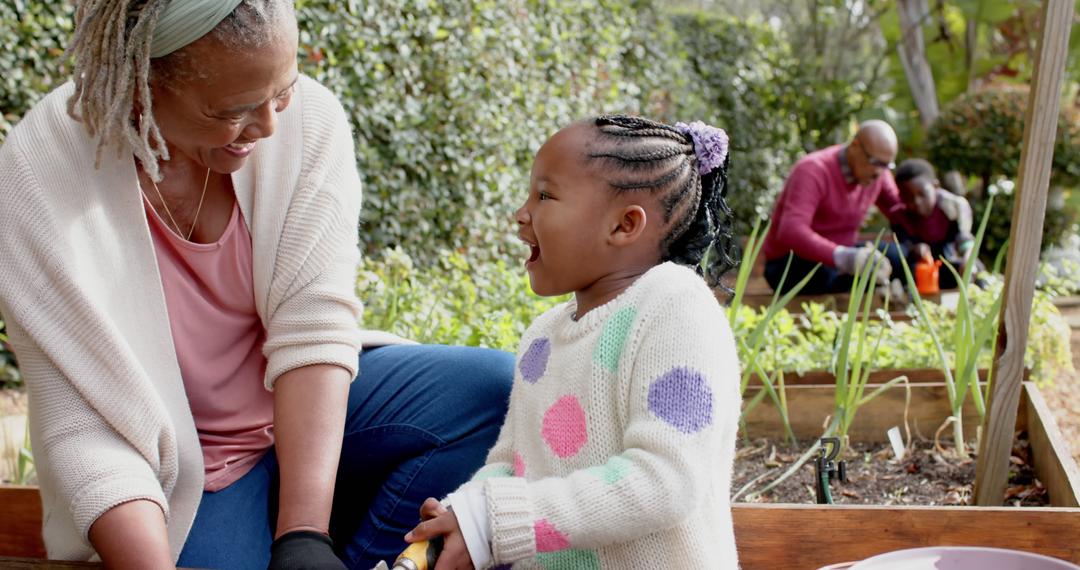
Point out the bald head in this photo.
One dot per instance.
(875, 149)
(878, 136)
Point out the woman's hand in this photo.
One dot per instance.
(440, 521)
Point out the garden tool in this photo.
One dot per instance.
(418, 556)
(825, 469)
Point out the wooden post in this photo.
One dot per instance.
(1040, 129)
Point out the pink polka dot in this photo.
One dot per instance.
(548, 538)
(564, 427)
(519, 465)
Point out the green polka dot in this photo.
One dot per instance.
(569, 560)
(494, 470)
(613, 338)
(615, 469)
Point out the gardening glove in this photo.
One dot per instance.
(851, 260)
(957, 209)
(304, 550)
(897, 293)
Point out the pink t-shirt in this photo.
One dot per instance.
(218, 337)
(819, 210)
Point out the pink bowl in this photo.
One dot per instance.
(962, 558)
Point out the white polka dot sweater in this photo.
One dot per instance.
(618, 446)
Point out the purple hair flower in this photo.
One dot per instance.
(710, 144)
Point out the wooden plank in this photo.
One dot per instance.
(1068, 301)
(1040, 127)
(8, 563)
(1054, 464)
(914, 376)
(20, 529)
(809, 406)
(811, 536)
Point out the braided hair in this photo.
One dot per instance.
(113, 68)
(660, 159)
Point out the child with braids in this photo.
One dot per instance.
(618, 446)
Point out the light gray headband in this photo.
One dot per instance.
(184, 21)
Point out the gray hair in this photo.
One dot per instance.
(111, 51)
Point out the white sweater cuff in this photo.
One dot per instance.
(470, 507)
(510, 511)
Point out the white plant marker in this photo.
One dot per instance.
(896, 441)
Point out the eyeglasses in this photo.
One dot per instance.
(874, 161)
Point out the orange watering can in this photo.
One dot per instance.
(926, 276)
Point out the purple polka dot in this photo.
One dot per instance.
(534, 361)
(683, 399)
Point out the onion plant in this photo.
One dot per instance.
(851, 367)
(970, 336)
(750, 345)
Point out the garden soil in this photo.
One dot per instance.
(926, 476)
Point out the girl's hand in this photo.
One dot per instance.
(439, 521)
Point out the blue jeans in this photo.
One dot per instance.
(827, 279)
(420, 422)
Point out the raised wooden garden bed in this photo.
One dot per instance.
(20, 522)
(811, 536)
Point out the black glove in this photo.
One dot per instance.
(304, 550)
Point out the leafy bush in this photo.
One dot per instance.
(451, 100)
(1057, 223)
(9, 369)
(450, 302)
(737, 67)
(33, 36)
(981, 134)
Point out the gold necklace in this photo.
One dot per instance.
(197, 209)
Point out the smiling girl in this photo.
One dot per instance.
(617, 450)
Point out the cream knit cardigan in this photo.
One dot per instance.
(82, 298)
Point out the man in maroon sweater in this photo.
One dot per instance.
(824, 201)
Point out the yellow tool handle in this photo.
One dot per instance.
(420, 555)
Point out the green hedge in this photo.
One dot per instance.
(33, 36)
(451, 100)
(738, 68)
(981, 134)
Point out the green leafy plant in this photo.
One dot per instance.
(451, 100)
(33, 36)
(980, 134)
(750, 346)
(852, 368)
(971, 336)
(17, 456)
(1058, 223)
(454, 301)
(851, 365)
(9, 369)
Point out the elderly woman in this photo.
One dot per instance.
(180, 246)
